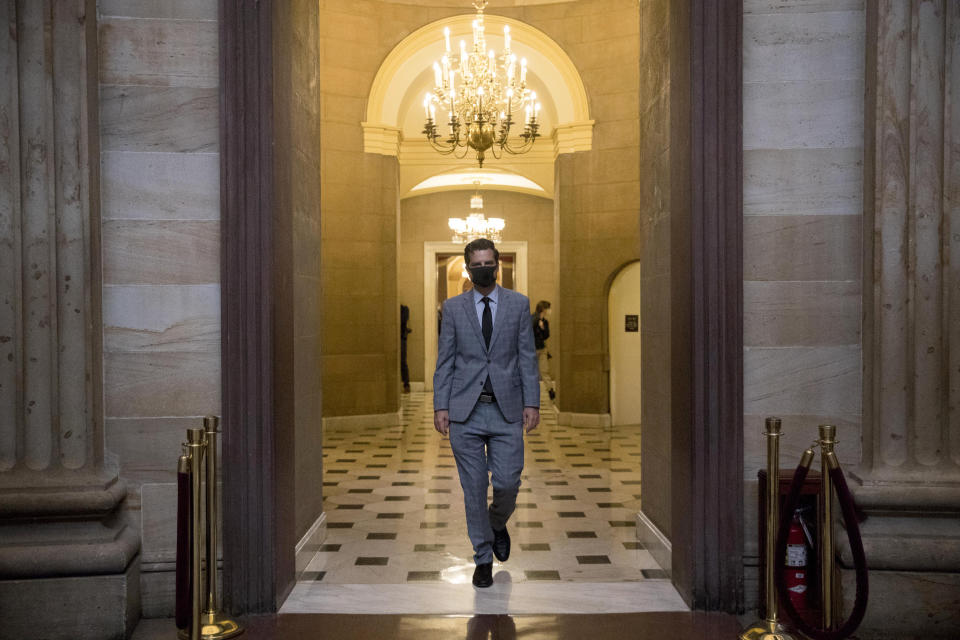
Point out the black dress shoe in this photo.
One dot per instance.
(501, 544)
(483, 575)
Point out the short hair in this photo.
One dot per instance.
(480, 244)
(543, 305)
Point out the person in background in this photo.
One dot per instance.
(404, 370)
(541, 331)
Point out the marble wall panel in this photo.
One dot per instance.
(801, 313)
(803, 69)
(800, 6)
(802, 380)
(159, 533)
(803, 181)
(146, 118)
(785, 47)
(159, 125)
(179, 9)
(161, 318)
(161, 252)
(787, 247)
(160, 186)
(159, 52)
(148, 448)
(161, 384)
(807, 115)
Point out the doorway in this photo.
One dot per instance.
(623, 331)
(703, 251)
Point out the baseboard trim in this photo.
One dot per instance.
(571, 419)
(310, 543)
(391, 419)
(655, 542)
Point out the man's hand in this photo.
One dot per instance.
(441, 421)
(531, 418)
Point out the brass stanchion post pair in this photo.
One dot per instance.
(206, 623)
(769, 628)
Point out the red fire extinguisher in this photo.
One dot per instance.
(795, 572)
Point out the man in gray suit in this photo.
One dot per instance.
(486, 393)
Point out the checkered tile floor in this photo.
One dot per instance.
(395, 508)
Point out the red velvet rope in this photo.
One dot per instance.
(856, 547)
(183, 577)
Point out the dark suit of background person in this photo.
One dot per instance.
(404, 370)
(486, 392)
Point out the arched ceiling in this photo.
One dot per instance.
(395, 117)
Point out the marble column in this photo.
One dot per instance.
(909, 479)
(59, 541)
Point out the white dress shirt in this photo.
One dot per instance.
(478, 303)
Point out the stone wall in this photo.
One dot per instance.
(424, 219)
(360, 334)
(161, 263)
(657, 306)
(803, 74)
(297, 251)
(598, 191)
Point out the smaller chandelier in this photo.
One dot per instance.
(481, 103)
(476, 225)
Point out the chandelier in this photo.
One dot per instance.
(480, 92)
(475, 225)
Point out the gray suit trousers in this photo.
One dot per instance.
(487, 442)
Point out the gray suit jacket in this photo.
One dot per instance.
(463, 361)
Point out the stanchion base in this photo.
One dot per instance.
(767, 630)
(214, 626)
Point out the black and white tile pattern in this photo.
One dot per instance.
(395, 509)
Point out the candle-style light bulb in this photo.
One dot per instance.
(437, 75)
(523, 70)
(446, 37)
(506, 39)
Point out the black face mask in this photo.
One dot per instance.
(483, 276)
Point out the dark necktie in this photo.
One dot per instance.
(487, 327)
(487, 324)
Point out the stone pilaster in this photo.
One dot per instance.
(909, 480)
(58, 541)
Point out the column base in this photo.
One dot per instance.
(904, 605)
(911, 539)
(69, 566)
(94, 607)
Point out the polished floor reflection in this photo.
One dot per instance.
(395, 517)
(636, 626)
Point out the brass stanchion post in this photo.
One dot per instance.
(769, 628)
(215, 625)
(195, 444)
(828, 435)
